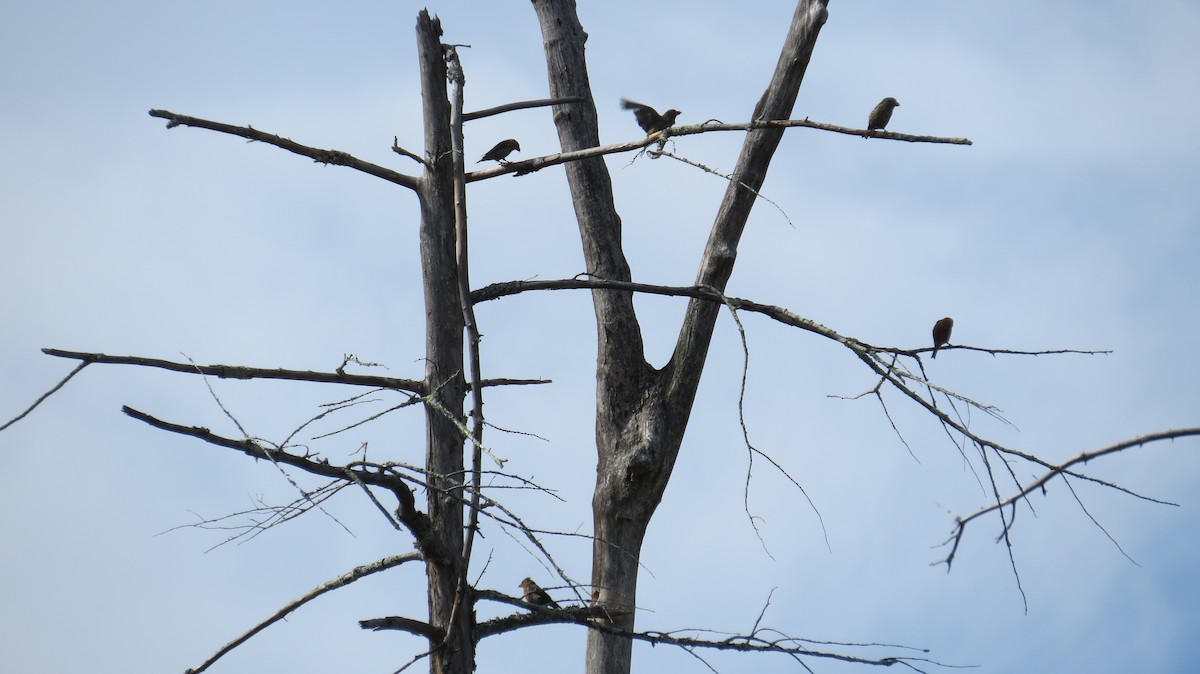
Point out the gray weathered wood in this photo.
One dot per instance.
(641, 413)
(443, 356)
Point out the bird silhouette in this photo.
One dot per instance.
(941, 333)
(648, 118)
(882, 114)
(536, 595)
(500, 151)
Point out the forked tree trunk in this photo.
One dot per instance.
(641, 413)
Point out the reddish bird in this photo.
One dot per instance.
(648, 118)
(882, 114)
(502, 150)
(941, 333)
(536, 595)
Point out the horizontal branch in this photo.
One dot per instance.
(524, 167)
(244, 372)
(341, 581)
(789, 123)
(584, 615)
(520, 105)
(417, 627)
(336, 157)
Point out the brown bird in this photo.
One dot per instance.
(941, 333)
(882, 114)
(648, 118)
(502, 150)
(536, 595)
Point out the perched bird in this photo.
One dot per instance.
(536, 595)
(502, 150)
(941, 333)
(882, 114)
(648, 118)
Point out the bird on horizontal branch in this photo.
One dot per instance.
(882, 114)
(535, 595)
(648, 118)
(501, 151)
(941, 333)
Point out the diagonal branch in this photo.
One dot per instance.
(339, 582)
(336, 157)
(418, 523)
(1064, 469)
(691, 350)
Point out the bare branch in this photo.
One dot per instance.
(520, 105)
(585, 616)
(421, 629)
(243, 372)
(341, 581)
(417, 522)
(689, 129)
(405, 153)
(533, 164)
(336, 157)
(47, 394)
(1064, 469)
(462, 258)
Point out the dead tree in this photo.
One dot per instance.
(642, 412)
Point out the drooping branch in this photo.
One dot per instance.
(503, 289)
(322, 156)
(416, 521)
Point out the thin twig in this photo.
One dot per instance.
(47, 394)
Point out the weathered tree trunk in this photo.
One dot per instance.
(641, 413)
(443, 360)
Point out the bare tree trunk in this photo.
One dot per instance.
(443, 361)
(641, 413)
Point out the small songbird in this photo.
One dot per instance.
(648, 118)
(882, 114)
(941, 333)
(502, 150)
(536, 595)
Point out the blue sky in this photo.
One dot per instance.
(1071, 223)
